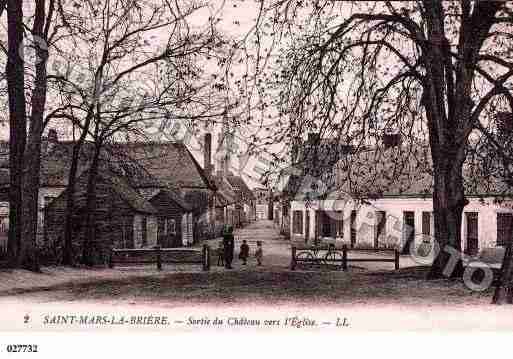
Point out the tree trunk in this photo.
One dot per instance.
(90, 235)
(32, 157)
(68, 255)
(17, 124)
(448, 203)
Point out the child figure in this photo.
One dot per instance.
(220, 254)
(244, 252)
(258, 253)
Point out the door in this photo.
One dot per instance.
(408, 230)
(380, 232)
(307, 226)
(472, 245)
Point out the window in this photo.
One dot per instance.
(144, 231)
(297, 222)
(170, 226)
(339, 224)
(504, 228)
(4, 225)
(46, 202)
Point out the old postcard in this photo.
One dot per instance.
(296, 167)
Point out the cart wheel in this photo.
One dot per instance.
(304, 258)
(334, 258)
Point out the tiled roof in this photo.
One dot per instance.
(404, 171)
(55, 165)
(143, 164)
(170, 163)
(225, 192)
(120, 186)
(136, 201)
(240, 185)
(175, 197)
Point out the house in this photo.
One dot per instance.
(123, 218)
(159, 188)
(53, 180)
(245, 208)
(173, 165)
(226, 200)
(236, 203)
(383, 198)
(262, 202)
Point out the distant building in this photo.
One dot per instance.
(395, 208)
(263, 196)
(147, 194)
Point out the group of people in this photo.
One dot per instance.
(227, 248)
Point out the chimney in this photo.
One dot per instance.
(207, 159)
(391, 139)
(228, 153)
(313, 137)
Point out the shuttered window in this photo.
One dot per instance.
(170, 226)
(340, 224)
(504, 228)
(297, 222)
(426, 223)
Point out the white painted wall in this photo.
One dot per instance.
(43, 192)
(187, 229)
(261, 211)
(184, 229)
(394, 207)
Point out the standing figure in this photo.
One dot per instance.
(220, 254)
(228, 247)
(259, 253)
(244, 252)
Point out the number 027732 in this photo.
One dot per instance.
(22, 348)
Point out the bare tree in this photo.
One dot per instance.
(25, 147)
(128, 82)
(352, 70)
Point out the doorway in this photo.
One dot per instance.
(408, 230)
(307, 226)
(472, 244)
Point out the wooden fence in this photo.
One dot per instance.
(161, 256)
(330, 255)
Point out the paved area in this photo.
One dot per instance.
(277, 250)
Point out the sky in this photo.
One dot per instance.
(236, 18)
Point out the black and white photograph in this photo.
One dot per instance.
(255, 166)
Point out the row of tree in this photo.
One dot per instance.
(106, 71)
